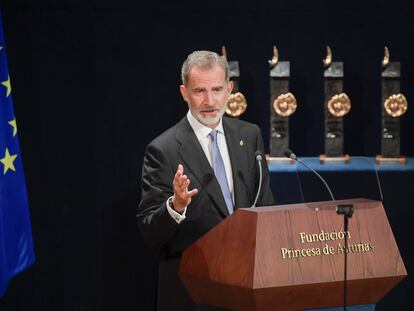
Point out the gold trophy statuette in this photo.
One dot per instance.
(285, 104)
(386, 59)
(328, 59)
(396, 105)
(275, 59)
(339, 105)
(236, 104)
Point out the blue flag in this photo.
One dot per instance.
(16, 245)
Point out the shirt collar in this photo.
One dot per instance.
(200, 129)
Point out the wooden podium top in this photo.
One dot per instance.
(292, 257)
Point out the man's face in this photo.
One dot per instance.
(206, 94)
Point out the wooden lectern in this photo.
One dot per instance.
(291, 257)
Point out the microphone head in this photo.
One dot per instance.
(258, 155)
(289, 154)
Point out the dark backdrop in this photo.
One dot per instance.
(95, 81)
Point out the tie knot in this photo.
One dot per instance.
(213, 135)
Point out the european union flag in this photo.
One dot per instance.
(16, 245)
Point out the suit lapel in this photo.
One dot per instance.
(238, 158)
(196, 161)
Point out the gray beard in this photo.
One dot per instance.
(210, 121)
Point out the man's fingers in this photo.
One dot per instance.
(192, 192)
(184, 181)
(188, 194)
(181, 183)
(178, 174)
(184, 187)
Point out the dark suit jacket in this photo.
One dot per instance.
(178, 145)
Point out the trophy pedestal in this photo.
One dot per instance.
(282, 105)
(333, 160)
(379, 159)
(394, 106)
(337, 105)
(278, 160)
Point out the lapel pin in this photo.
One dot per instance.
(241, 143)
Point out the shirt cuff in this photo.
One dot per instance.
(174, 214)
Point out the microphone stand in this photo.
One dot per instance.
(347, 210)
(342, 209)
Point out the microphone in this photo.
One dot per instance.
(289, 154)
(258, 156)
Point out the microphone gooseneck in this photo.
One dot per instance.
(376, 175)
(289, 154)
(259, 158)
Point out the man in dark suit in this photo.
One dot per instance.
(198, 172)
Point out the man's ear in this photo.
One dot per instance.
(184, 92)
(230, 86)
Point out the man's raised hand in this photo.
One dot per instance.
(182, 197)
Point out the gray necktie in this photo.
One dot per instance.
(220, 171)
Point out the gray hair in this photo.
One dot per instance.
(203, 60)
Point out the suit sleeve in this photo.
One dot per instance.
(154, 221)
(266, 196)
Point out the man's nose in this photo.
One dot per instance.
(208, 97)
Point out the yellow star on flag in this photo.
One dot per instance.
(7, 85)
(8, 161)
(14, 125)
